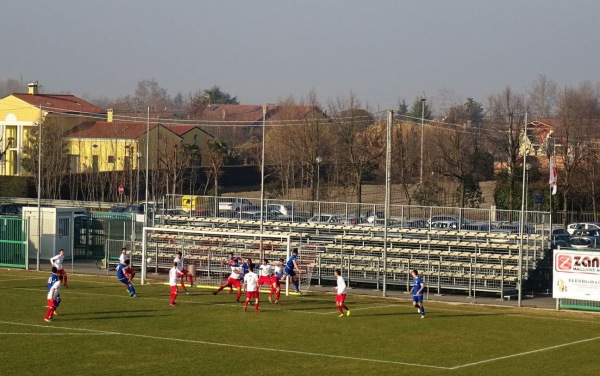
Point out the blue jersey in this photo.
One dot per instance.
(290, 263)
(121, 271)
(53, 278)
(417, 282)
(245, 268)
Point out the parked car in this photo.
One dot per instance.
(117, 209)
(584, 242)
(415, 223)
(582, 226)
(233, 203)
(296, 218)
(562, 241)
(253, 212)
(326, 219)
(587, 232)
(513, 228)
(281, 208)
(478, 227)
(445, 225)
(452, 218)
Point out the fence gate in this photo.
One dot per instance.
(13, 242)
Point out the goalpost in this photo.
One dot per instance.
(205, 252)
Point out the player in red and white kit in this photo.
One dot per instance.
(233, 280)
(264, 274)
(275, 278)
(251, 286)
(173, 275)
(52, 297)
(58, 262)
(182, 272)
(340, 297)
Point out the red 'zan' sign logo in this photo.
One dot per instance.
(564, 262)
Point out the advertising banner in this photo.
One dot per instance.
(576, 275)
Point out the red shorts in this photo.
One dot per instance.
(264, 279)
(51, 303)
(129, 272)
(275, 279)
(174, 289)
(340, 298)
(183, 271)
(252, 294)
(61, 271)
(233, 282)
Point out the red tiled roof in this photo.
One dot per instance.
(59, 103)
(247, 114)
(115, 130)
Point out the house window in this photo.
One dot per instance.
(74, 163)
(63, 227)
(195, 139)
(111, 159)
(95, 163)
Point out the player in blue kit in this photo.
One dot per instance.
(124, 278)
(53, 278)
(290, 270)
(417, 291)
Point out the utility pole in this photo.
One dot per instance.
(423, 99)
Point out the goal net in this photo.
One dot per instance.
(205, 252)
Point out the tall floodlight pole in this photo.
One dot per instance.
(39, 198)
(522, 220)
(423, 99)
(147, 163)
(388, 180)
(262, 181)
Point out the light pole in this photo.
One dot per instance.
(527, 169)
(137, 184)
(318, 160)
(423, 99)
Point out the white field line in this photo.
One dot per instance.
(234, 346)
(56, 334)
(525, 353)
(21, 279)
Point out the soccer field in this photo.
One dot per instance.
(100, 330)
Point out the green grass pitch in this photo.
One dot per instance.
(100, 330)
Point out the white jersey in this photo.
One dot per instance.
(57, 261)
(122, 258)
(278, 270)
(236, 272)
(179, 263)
(266, 270)
(251, 281)
(54, 291)
(173, 277)
(341, 285)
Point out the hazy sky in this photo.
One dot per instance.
(263, 50)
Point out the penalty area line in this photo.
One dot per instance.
(306, 353)
(525, 353)
(56, 334)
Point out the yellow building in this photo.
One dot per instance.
(20, 113)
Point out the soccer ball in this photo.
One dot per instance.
(149, 260)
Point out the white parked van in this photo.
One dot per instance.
(233, 203)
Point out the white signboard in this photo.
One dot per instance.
(576, 275)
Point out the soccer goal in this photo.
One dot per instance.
(205, 252)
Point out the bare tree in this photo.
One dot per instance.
(578, 110)
(362, 143)
(543, 97)
(53, 156)
(507, 119)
